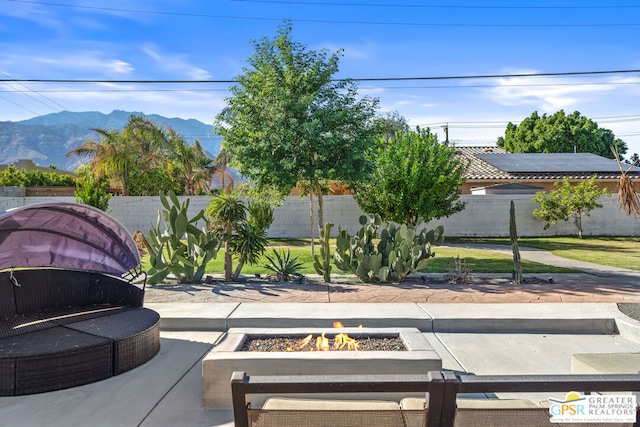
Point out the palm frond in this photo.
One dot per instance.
(628, 197)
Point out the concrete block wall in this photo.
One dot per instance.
(13, 191)
(488, 215)
(484, 216)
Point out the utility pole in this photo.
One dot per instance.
(446, 133)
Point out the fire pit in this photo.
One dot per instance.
(418, 357)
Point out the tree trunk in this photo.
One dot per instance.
(578, 222)
(312, 220)
(320, 207)
(236, 274)
(228, 259)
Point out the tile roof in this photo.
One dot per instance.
(481, 170)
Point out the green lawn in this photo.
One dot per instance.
(480, 261)
(621, 252)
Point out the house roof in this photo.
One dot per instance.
(494, 163)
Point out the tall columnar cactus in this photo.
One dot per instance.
(322, 263)
(401, 250)
(513, 234)
(181, 249)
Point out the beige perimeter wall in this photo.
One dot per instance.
(484, 215)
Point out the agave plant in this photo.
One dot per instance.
(283, 265)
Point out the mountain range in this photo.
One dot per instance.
(47, 139)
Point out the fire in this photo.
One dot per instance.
(344, 340)
(303, 343)
(322, 343)
(341, 341)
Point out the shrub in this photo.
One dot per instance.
(283, 266)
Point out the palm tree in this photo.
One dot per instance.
(222, 171)
(248, 244)
(109, 158)
(189, 164)
(140, 147)
(226, 212)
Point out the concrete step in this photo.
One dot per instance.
(582, 318)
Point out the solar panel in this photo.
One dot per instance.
(551, 162)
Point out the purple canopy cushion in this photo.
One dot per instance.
(65, 235)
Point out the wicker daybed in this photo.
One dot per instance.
(70, 313)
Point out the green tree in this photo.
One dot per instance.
(560, 133)
(146, 159)
(188, 164)
(288, 121)
(568, 201)
(120, 155)
(226, 212)
(415, 177)
(243, 238)
(91, 191)
(389, 124)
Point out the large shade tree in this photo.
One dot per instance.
(416, 178)
(288, 121)
(560, 133)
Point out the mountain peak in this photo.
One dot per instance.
(47, 139)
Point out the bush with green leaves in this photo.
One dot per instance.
(12, 177)
(181, 249)
(567, 201)
(93, 192)
(260, 213)
(283, 266)
(400, 250)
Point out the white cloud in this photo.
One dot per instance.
(176, 64)
(68, 63)
(34, 13)
(548, 94)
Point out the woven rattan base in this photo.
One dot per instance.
(109, 342)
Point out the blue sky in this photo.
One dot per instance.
(210, 40)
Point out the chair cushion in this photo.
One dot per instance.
(282, 403)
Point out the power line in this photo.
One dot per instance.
(432, 6)
(200, 90)
(358, 79)
(28, 91)
(328, 21)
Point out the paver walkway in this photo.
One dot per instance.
(596, 283)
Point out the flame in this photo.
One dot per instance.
(303, 343)
(344, 340)
(322, 342)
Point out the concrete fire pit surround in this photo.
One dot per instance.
(227, 357)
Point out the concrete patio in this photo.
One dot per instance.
(503, 338)
(486, 327)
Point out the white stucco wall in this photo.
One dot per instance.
(484, 215)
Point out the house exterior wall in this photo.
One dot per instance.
(547, 185)
(484, 216)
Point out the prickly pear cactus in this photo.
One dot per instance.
(181, 249)
(401, 250)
